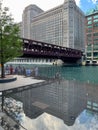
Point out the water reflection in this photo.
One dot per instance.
(45, 122)
(85, 121)
(65, 100)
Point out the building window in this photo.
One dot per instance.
(89, 47)
(89, 54)
(89, 35)
(95, 54)
(89, 26)
(96, 25)
(89, 30)
(89, 18)
(89, 22)
(95, 34)
(96, 16)
(95, 20)
(95, 48)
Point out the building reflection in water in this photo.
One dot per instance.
(65, 100)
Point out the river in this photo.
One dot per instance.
(68, 104)
(86, 74)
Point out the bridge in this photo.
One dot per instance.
(38, 49)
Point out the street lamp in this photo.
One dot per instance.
(1, 50)
(1, 43)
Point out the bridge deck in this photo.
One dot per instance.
(32, 48)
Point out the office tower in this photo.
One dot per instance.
(28, 14)
(62, 25)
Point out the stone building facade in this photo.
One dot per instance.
(63, 25)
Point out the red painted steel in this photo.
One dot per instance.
(33, 48)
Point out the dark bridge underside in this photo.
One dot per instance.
(37, 49)
(67, 59)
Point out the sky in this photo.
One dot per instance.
(16, 7)
(85, 121)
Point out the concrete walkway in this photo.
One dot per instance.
(21, 81)
(1, 128)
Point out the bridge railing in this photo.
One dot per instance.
(37, 48)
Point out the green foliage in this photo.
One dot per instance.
(10, 43)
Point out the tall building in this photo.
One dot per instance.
(63, 25)
(29, 13)
(92, 38)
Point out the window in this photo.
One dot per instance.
(89, 48)
(94, 62)
(95, 47)
(95, 39)
(89, 26)
(95, 34)
(88, 54)
(89, 30)
(95, 54)
(96, 16)
(89, 22)
(95, 104)
(89, 18)
(88, 35)
(95, 20)
(96, 25)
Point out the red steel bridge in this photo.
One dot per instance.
(38, 49)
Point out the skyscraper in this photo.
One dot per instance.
(29, 13)
(62, 25)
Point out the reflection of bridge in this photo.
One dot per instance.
(32, 48)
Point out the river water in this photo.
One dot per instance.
(86, 74)
(70, 103)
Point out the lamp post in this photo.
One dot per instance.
(1, 44)
(1, 50)
(0, 34)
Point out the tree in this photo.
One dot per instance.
(10, 42)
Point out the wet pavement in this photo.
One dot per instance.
(21, 81)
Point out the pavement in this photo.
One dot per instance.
(8, 78)
(20, 82)
(1, 128)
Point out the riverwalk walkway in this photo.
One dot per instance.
(19, 82)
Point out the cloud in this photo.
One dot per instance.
(85, 121)
(78, 2)
(44, 122)
(94, 1)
